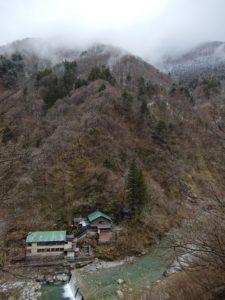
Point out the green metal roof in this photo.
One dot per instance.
(46, 236)
(86, 222)
(97, 214)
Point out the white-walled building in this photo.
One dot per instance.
(47, 243)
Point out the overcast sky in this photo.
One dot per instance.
(146, 28)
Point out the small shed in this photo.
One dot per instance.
(76, 221)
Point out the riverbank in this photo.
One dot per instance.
(26, 283)
(20, 290)
(99, 264)
(111, 280)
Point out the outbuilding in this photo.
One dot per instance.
(98, 223)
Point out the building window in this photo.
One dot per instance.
(50, 243)
(56, 249)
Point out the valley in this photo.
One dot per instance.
(101, 129)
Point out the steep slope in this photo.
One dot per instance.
(73, 156)
(205, 60)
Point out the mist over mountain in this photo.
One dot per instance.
(117, 107)
(149, 29)
(206, 60)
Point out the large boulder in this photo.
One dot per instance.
(62, 277)
(49, 279)
(40, 278)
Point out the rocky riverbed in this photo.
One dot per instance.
(98, 264)
(30, 289)
(22, 290)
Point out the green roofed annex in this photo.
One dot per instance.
(96, 224)
(98, 214)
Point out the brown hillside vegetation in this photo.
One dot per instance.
(73, 156)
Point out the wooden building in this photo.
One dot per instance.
(97, 224)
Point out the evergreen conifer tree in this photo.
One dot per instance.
(136, 189)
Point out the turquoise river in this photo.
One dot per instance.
(102, 284)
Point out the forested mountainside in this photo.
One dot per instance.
(205, 60)
(70, 131)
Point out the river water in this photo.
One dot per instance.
(138, 275)
(59, 292)
(102, 284)
(56, 292)
(50, 292)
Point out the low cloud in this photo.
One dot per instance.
(147, 28)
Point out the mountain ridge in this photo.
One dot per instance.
(71, 155)
(204, 60)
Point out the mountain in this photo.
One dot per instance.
(205, 60)
(49, 50)
(70, 130)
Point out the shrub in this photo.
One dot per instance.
(211, 85)
(185, 91)
(53, 90)
(173, 89)
(161, 128)
(102, 88)
(144, 107)
(25, 91)
(109, 164)
(80, 82)
(146, 87)
(9, 69)
(8, 72)
(127, 100)
(40, 75)
(7, 135)
(101, 73)
(54, 87)
(69, 75)
(129, 78)
(94, 136)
